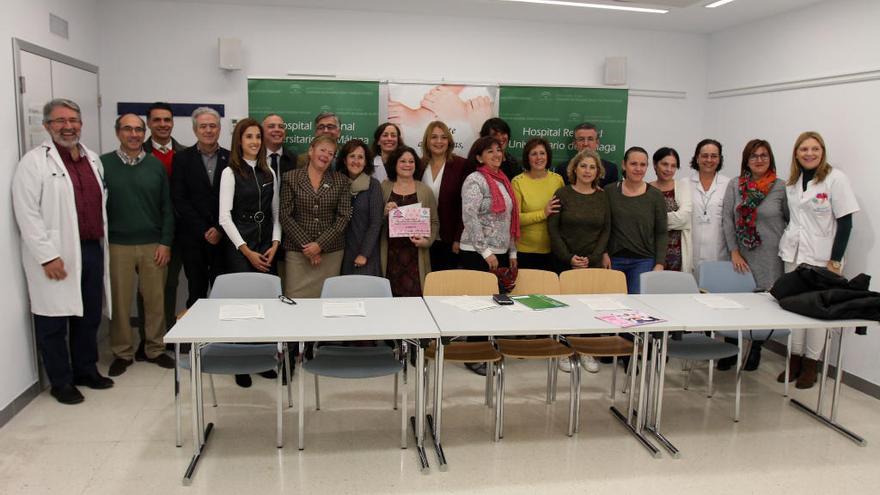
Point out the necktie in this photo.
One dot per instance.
(163, 149)
(274, 157)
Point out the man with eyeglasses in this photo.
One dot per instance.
(59, 205)
(586, 136)
(140, 222)
(326, 124)
(195, 192)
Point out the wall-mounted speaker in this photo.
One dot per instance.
(615, 71)
(230, 53)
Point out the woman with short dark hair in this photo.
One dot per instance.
(361, 254)
(638, 222)
(534, 190)
(406, 260)
(677, 194)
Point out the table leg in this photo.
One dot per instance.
(301, 384)
(435, 421)
(627, 420)
(418, 419)
(654, 428)
(200, 435)
(817, 413)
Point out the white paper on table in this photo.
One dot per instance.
(604, 304)
(471, 303)
(241, 311)
(717, 302)
(343, 309)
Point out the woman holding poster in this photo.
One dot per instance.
(444, 174)
(405, 259)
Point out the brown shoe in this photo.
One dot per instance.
(808, 374)
(794, 369)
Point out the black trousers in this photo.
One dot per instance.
(442, 257)
(536, 261)
(202, 262)
(69, 344)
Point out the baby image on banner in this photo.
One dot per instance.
(463, 108)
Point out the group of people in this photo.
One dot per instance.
(90, 225)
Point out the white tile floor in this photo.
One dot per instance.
(122, 441)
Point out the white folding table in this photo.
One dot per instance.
(405, 318)
(757, 311)
(575, 319)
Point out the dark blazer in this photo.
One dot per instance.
(196, 200)
(286, 162)
(449, 202)
(177, 147)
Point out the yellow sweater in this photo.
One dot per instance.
(532, 196)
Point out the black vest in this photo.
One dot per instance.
(252, 207)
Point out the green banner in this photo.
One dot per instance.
(299, 101)
(552, 114)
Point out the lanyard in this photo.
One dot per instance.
(706, 196)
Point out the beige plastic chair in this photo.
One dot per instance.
(547, 283)
(468, 283)
(597, 281)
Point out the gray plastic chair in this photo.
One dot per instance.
(693, 346)
(719, 277)
(236, 359)
(358, 362)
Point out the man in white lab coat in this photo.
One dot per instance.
(60, 205)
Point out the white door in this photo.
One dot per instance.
(80, 86)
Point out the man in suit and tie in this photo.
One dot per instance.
(195, 193)
(281, 160)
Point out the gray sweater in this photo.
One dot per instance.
(764, 261)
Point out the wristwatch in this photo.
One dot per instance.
(836, 264)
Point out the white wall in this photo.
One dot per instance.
(28, 20)
(276, 40)
(827, 39)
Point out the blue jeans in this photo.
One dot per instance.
(633, 268)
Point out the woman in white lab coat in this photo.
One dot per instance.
(821, 203)
(708, 196)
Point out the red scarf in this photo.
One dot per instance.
(498, 199)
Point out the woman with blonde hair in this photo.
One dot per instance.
(444, 173)
(315, 210)
(820, 203)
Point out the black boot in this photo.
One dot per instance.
(754, 359)
(725, 364)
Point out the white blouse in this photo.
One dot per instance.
(707, 236)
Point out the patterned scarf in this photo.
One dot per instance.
(752, 192)
(498, 199)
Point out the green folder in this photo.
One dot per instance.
(538, 302)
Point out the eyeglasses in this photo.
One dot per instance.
(63, 121)
(585, 139)
(327, 127)
(286, 300)
(762, 157)
(128, 128)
